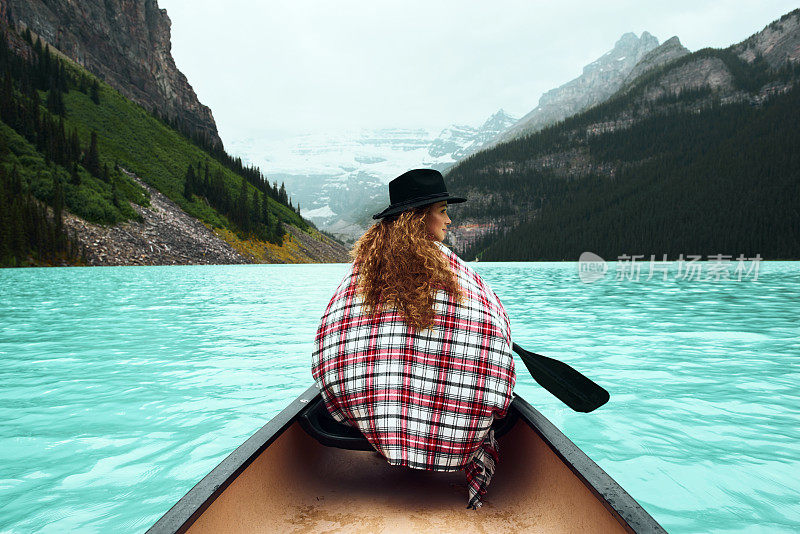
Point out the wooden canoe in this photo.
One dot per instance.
(284, 480)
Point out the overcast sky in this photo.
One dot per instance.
(280, 68)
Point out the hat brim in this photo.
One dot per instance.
(400, 208)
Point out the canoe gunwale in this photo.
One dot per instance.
(627, 511)
(191, 506)
(180, 517)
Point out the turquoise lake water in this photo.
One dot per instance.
(123, 386)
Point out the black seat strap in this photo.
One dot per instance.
(321, 425)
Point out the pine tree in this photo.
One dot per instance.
(55, 101)
(92, 158)
(62, 81)
(206, 185)
(114, 193)
(188, 182)
(255, 214)
(44, 67)
(58, 204)
(74, 146)
(95, 92)
(272, 225)
(242, 208)
(265, 211)
(74, 177)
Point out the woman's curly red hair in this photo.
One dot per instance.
(399, 265)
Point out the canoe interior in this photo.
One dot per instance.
(297, 485)
(282, 480)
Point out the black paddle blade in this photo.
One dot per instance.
(564, 382)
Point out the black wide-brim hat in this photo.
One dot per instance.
(415, 188)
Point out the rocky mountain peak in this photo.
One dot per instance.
(627, 51)
(648, 40)
(600, 79)
(498, 122)
(629, 43)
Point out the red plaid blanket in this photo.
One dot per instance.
(424, 399)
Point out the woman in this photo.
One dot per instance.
(414, 348)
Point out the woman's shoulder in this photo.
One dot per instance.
(455, 260)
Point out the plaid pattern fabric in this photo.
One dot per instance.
(423, 399)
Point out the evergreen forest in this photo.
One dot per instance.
(691, 175)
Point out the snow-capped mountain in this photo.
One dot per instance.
(461, 141)
(339, 178)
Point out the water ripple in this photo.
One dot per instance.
(123, 386)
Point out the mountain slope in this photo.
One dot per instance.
(669, 50)
(70, 137)
(124, 43)
(726, 180)
(668, 134)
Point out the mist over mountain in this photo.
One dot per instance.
(339, 178)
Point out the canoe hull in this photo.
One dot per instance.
(292, 483)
